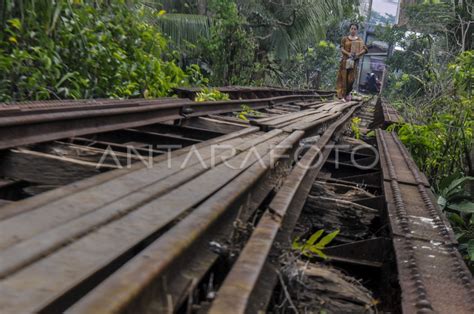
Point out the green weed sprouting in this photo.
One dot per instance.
(246, 112)
(210, 94)
(312, 247)
(355, 127)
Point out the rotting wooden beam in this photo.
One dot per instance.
(37, 167)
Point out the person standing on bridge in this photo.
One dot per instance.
(352, 48)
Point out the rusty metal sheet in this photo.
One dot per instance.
(385, 115)
(432, 275)
(405, 170)
(417, 220)
(23, 130)
(55, 106)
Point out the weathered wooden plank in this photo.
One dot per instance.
(275, 111)
(306, 104)
(310, 122)
(86, 189)
(342, 106)
(213, 124)
(117, 147)
(49, 278)
(287, 118)
(4, 202)
(20, 227)
(190, 235)
(91, 154)
(190, 132)
(309, 118)
(330, 105)
(150, 138)
(288, 107)
(229, 119)
(183, 168)
(37, 167)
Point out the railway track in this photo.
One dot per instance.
(206, 224)
(424, 244)
(385, 115)
(242, 92)
(27, 123)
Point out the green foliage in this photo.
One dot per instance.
(355, 126)
(310, 246)
(195, 77)
(439, 147)
(246, 112)
(285, 29)
(183, 29)
(456, 201)
(463, 73)
(453, 196)
(258, 42)
(230, 50)
(210, 94)
(435, 96)
(442, 143)
(80, 50)
(316, 67)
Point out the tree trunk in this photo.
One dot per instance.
(471, 171)
(202, 7)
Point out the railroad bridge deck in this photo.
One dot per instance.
(204, 218)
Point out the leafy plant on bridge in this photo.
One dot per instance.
(313, 246)
(355, 127)
(247, 112)
(210, 94)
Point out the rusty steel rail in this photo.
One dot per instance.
(385, 115)
(432, 274)
(242, 92)
(250, 283)
(21, 127)
(50, 106)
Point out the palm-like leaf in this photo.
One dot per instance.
(171, 6)
(294, 25)
(287, 29)
(184, 28)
